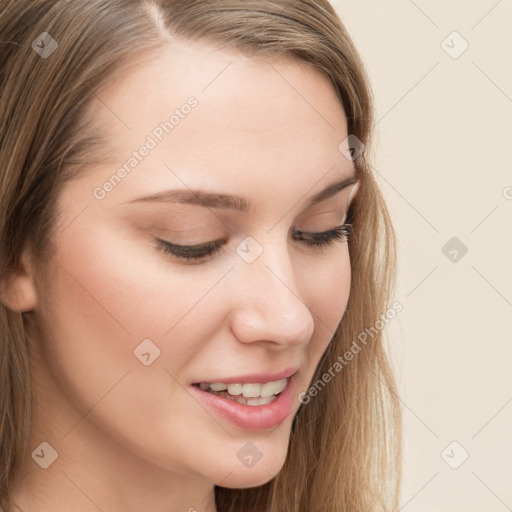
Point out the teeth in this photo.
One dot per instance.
(218, 387)
(273, 388)
(260, 401)
(246, 401)
(235, 389)
(253, 392)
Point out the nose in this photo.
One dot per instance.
(268, 301)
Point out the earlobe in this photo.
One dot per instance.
(18, 291)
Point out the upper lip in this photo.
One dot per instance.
(253, 378)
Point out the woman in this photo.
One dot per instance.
(192, 243)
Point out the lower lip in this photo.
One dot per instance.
(249, 417)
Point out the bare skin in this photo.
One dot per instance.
(133, 437)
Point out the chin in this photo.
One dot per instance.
(240, 476)
(254, 477)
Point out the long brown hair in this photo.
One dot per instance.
(345, 446)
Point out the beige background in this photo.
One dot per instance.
(443, 160)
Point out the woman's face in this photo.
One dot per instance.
(125, 332)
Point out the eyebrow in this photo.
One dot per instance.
(216, 200)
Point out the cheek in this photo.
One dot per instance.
(329, 291)
(330, 288)
(96, 311)
(117, 283)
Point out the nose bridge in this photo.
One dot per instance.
(269, 306)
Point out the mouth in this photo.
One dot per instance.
(252, 402)
(252, 394)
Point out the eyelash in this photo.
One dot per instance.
(319, 240)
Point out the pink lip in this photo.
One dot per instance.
(248, 417)
(253, 378)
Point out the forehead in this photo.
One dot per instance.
(256, 117)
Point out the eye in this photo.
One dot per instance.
(190, 252)
(326, 238)
(196, 253)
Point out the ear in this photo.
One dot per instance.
(17, 290)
